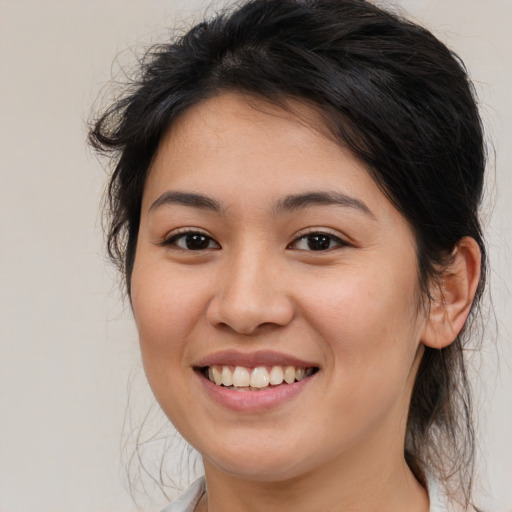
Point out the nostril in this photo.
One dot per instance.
(251, 314)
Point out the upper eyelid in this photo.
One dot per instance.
(187, 231)
(320, 231)
(183, 231)
(342, 241)
(179, 232)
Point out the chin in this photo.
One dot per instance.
(261, 464)
(259, 472)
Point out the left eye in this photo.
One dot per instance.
(317, 242)
(193, 241)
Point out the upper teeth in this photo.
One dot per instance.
(259, 377)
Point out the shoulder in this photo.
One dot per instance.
(187, 501)
(438, 501)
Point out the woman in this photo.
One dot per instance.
(294, 208)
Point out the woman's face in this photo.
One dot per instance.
(265, 252)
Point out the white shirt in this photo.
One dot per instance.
(188, 501)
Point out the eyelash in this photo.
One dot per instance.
(183, 234)
(331, 238)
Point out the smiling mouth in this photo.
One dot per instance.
(241, 378)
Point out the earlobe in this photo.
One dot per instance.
(454, 295)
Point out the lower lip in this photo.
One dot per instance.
(254, 401)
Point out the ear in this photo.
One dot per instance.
(454, 295)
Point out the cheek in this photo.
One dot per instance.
(368, 319)
(370, 331)
(165, 303)
(167, 308)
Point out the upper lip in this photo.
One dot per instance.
(252, 359)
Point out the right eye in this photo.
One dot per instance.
(192, 241)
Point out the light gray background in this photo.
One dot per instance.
(68, 346)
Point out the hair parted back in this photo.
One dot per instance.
(388, 90)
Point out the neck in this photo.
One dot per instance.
(383, 484)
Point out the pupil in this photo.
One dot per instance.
(196, 242)
(319, 242)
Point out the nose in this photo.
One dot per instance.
(250, 296)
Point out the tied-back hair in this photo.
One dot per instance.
(388, 90)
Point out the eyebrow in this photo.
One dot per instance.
(328, 198)
(289, 203)
(187, 199)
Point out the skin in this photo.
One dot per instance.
(353, 309)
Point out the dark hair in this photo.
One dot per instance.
(388, 90)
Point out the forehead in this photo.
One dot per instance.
(231, 116)
(241, 148)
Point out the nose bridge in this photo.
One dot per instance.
(251, 291)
